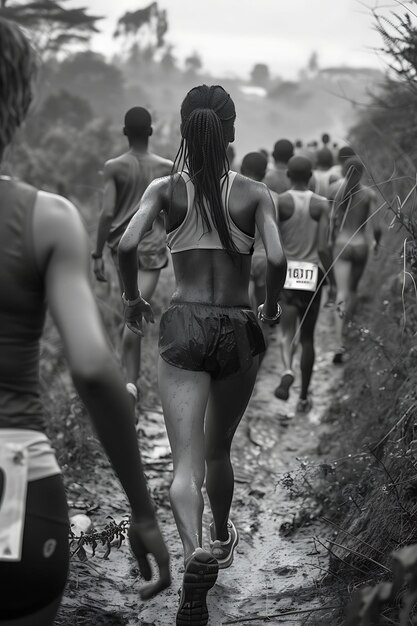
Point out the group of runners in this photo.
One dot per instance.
(229, 235)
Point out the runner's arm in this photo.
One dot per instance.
(149, 208)
(108, 208)
(61, 246)
(323, 248)
(376, 222)
(276, 271)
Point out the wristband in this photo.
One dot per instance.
(96, 255)
(131, 302)
(264, 318)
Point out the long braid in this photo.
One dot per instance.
(16, 69)
(208, 116)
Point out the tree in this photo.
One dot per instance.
(51, 26)
(149, 24)
(193, 63)
(89, 76)
(260, 75)
(313, 64)
(168, 61)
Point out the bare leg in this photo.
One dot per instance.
(184, 396)
(131, 343)
(227, 403)
(44, 617)
(289, 329)
(307, 345)
(342, 276)
(357, 270)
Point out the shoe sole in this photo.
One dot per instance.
(282, 391)
(199, 577)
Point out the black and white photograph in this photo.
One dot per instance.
(208, 312)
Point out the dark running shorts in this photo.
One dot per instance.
(147, 262)
(303, 300)
(39, 578)
(219, 340)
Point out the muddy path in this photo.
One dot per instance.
(274, 578)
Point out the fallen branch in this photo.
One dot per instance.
(239, 620)
(363, 556)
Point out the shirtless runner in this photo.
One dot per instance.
(125, 179)
(353, 203)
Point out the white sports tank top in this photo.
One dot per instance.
(192, 234)
(299, 232)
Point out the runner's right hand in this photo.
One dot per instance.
(133, 316)
(146, 538)
(99, 270)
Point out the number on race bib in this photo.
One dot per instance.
(301, 275)
(14, 467)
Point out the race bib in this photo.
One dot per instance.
(14, 469)
(301, 275)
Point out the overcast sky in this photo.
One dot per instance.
(232, 35)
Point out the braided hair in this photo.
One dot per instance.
(354, 170)
(207, 125)
(17, 66)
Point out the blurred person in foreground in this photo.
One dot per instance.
(303, 219)
(210, 340)
(352, 204)
(44, 261)
(125, 179)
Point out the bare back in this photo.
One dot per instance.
(351, 222)
(132, 172)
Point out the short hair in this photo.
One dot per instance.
(254, 164)
(17, 66)
(298, 143)
(300, 169)
(325, 138)
(283, 150)
(137, 123)
(324, 158)
(345, 153)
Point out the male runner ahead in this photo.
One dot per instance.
(125, 179)
(303, 223)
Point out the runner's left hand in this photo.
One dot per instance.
(146, 538)
(134, 313)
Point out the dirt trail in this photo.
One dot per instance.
(272, 573)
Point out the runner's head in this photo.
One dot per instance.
(254, 165)
(207, 126)
(283, 151)
(17, 68)
(352, 170)
(324, 158)
(299, 169)
(137, 125)
(325, 138)
(345, 153)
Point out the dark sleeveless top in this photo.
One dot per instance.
(22, 310)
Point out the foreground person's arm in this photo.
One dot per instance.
(276, 261)
(62, 251)
(149, 208)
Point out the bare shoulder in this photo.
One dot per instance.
(57, 216)
(164, 166)
(320, 202)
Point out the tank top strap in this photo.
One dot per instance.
(190, 191)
